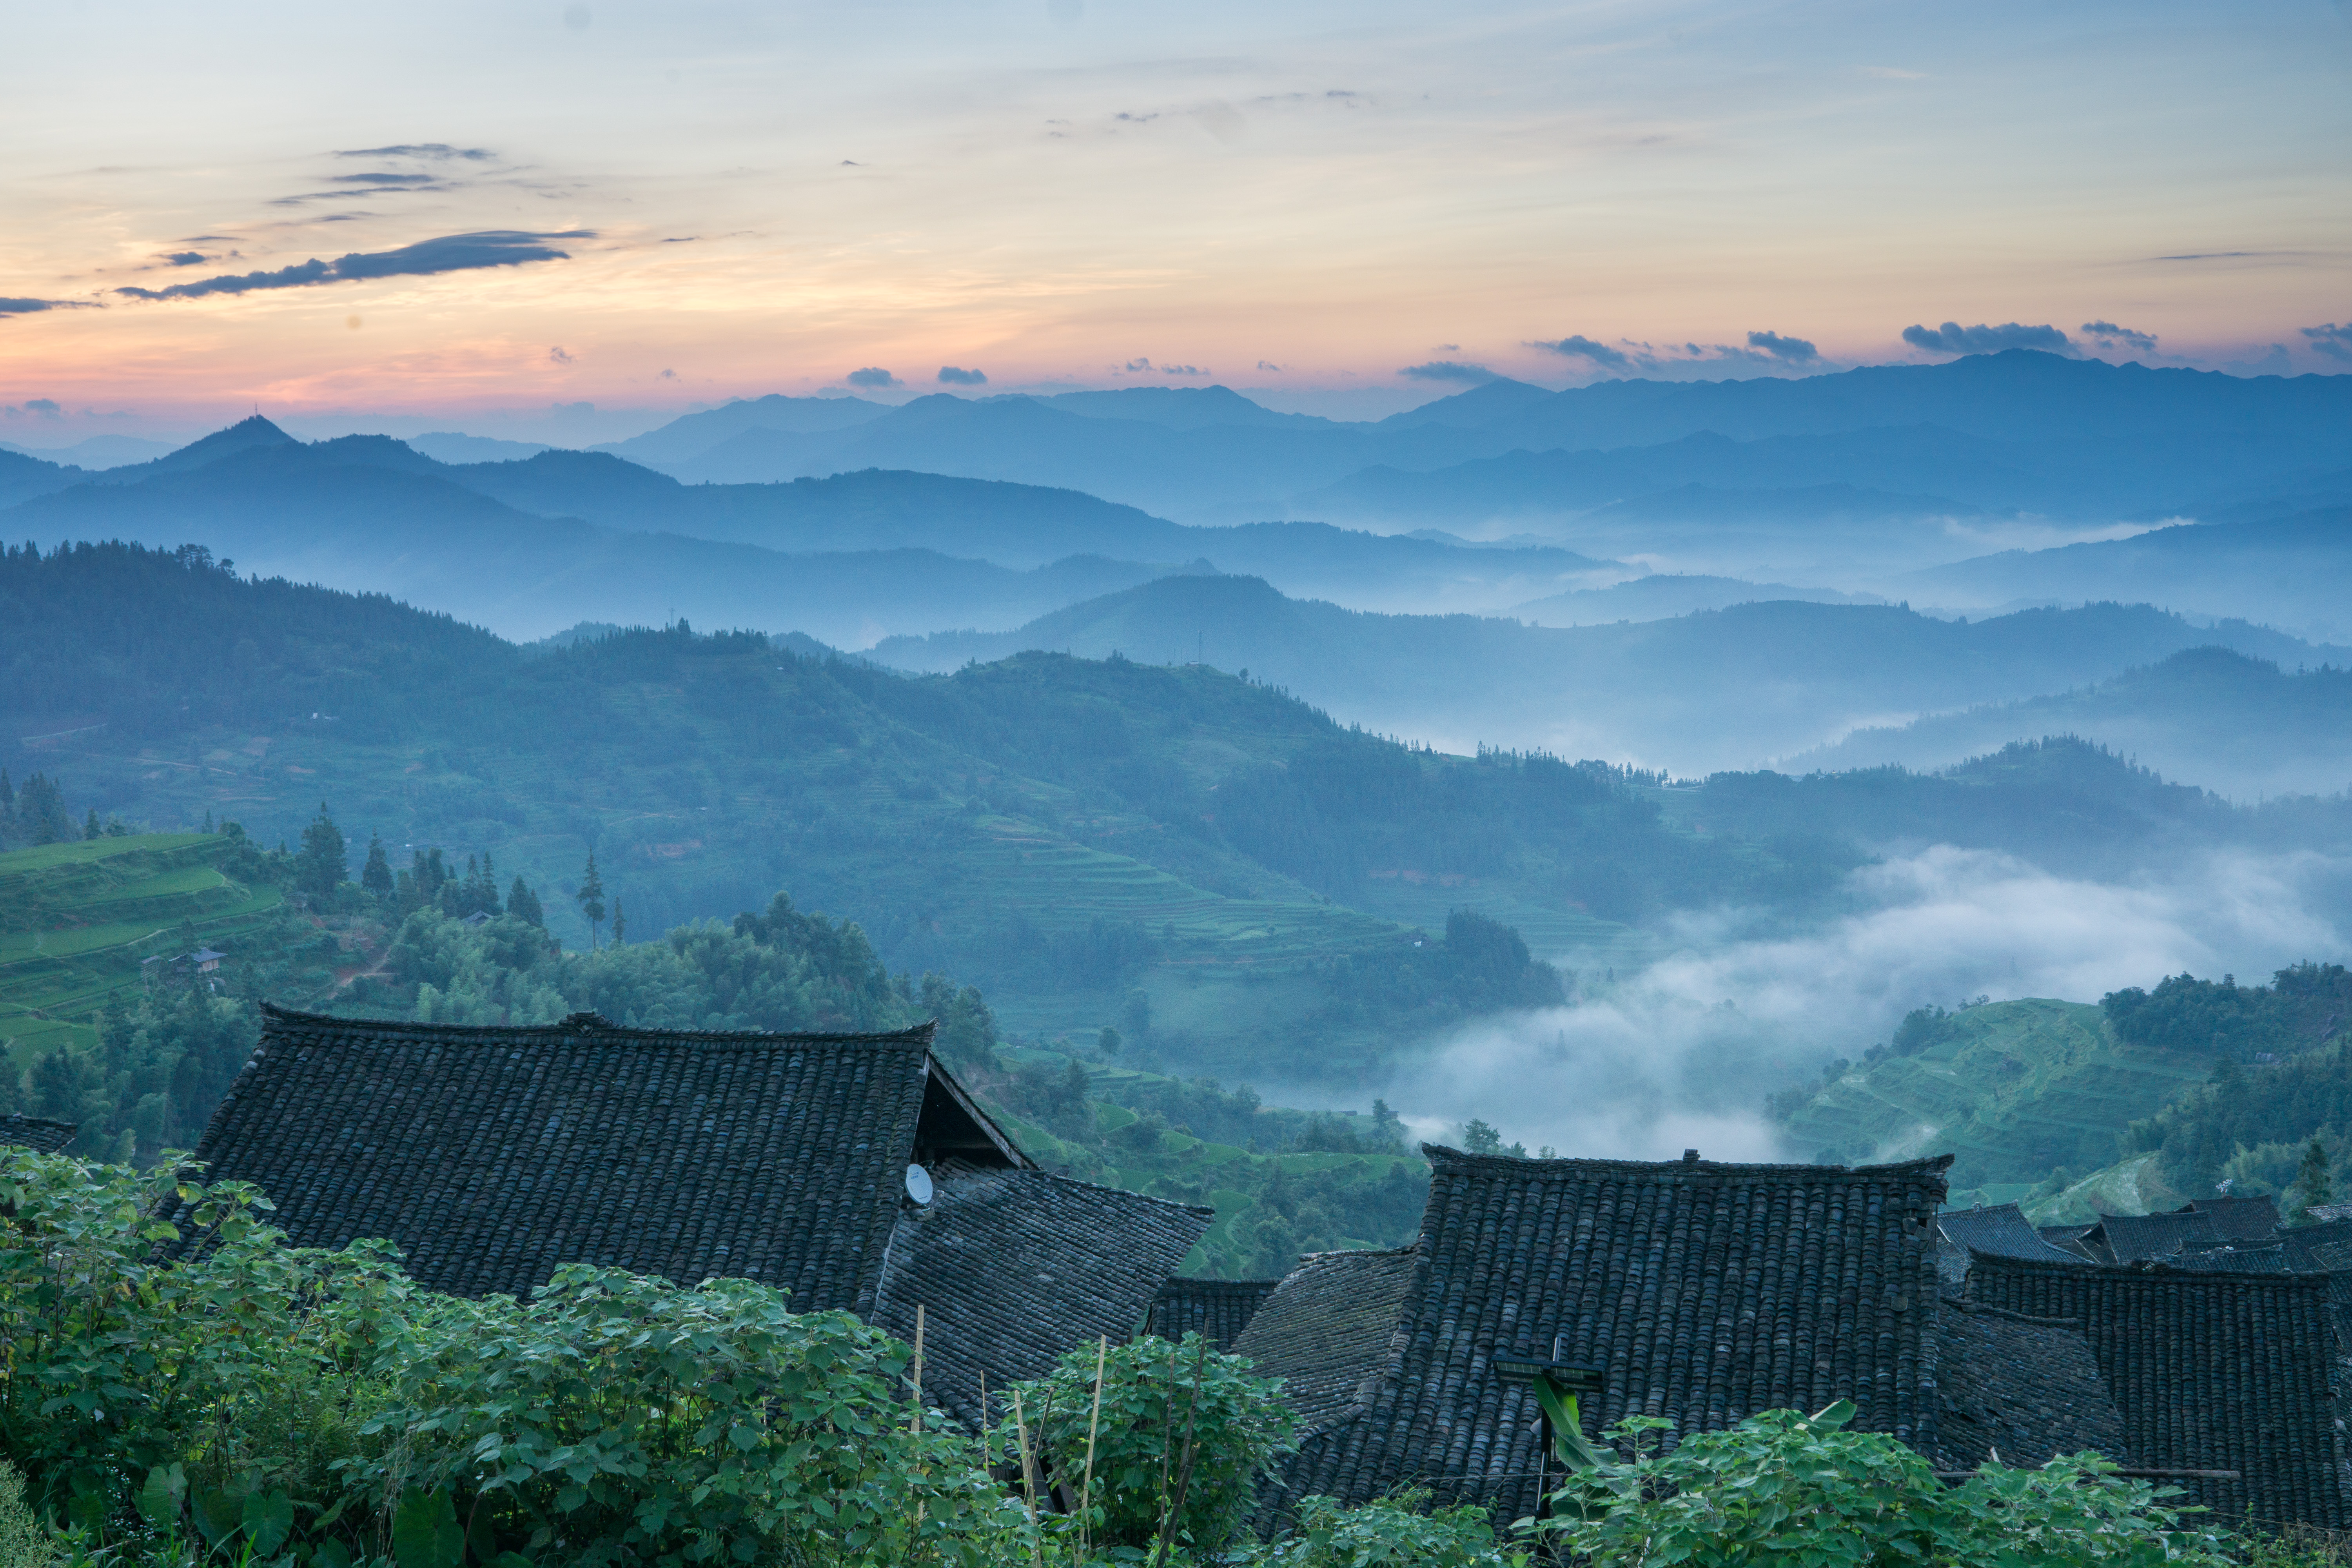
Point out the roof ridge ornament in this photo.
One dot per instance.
(589, 1020)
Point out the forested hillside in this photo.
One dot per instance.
(106, 1022)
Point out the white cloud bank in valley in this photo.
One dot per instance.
(1681, 1054)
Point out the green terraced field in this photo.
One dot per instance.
(2013, 1088)
(76, 919)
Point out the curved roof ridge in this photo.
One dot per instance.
(1091, 1187)
(2146, 1267)
(1985, 1309)
(1436, 1152)
(580, 1023)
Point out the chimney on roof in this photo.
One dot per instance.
(1690, 1156)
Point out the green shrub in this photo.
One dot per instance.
(1183, 1436)
(143, 1392)
(312, 1409)
(25, 1540)
(1400, 1531)
(620, 1419)
(1783, 1487)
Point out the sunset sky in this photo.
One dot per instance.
(440, 216)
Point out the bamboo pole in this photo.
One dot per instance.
(1094, 1422)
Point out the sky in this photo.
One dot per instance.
(582, 218)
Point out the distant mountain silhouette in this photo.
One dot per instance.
(2209, 715)
(2291, 571)
(690, 435)
(2022, 428)
(1729, 689)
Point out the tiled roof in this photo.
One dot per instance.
(1329, 1328)
(2024, 1390)
(2143, 1237)
(2233, 1260)
(1219, 1309)
(2210, 1372)
(2309, 1248)
(36, 1134)
(1014, 1267)
(1708, 1291)
(491, 1155)
(2001, 1232)
(2241, 1222)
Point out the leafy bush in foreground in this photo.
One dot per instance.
(314, 1409)
(1183, 1435)
(1784, 1487)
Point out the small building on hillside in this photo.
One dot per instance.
(170, 969)
(851, 1171)
(38, 1133)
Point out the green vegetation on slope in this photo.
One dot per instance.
(78, 917)
(141, 1063)
(2016, 1090)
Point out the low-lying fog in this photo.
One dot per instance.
(1681, 1054)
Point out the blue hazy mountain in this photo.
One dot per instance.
(366, 513)
(2289, 571)
(1024, 526)
(504, 543)
(690, 435)
(2240, 725)
(1729, 689)
(2018, 430)
(23, 475)
(1661, 594)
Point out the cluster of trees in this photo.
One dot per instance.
(321, 872)
(35, 814)
(2302, 1006)
(1481, 965)
(2259, 1127)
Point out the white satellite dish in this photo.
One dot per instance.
(919, 1184)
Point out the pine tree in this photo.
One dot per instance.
(523, 904)
(377, 875)
(490, 894)
(321, 867)
(91, 828)
(620, 922)
(590, 898)
(208, 819)
(2312, 1186)
(41, 812)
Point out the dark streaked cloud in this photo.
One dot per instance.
(1577, 346)
(1269, 364)
(379, 178)
(951, 375)
(185, 258)
(9, 307)
(1182, 369)
(1449, 370)
(1952, 338)
(1788, 350)
(2331, 339)
(436, 150)
(872, 375)
(2110, 336)
(447, 253)
(559, 355)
